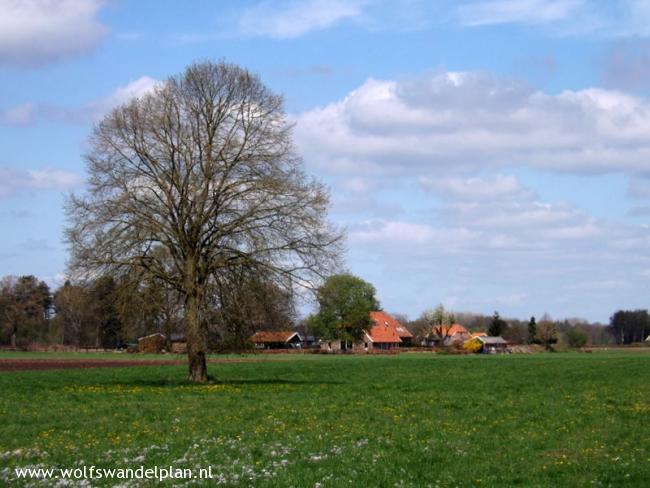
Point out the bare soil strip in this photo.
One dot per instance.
(49, 364)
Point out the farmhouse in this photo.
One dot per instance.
(383, 318)
(385, 333)
(286, 339)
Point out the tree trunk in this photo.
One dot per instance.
(197, 338)
(13, 338)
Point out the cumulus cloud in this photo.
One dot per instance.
(495, 187)
(15, 181)
(517, 11)
(32, 113)
(122, 94)
(501, 244)
(34, 32)
(469, 121)
(290, 19)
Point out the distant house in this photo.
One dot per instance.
(479, 334)
(383, 318)
(446, 335)
(287, 339)
(493, 344)
(385, 333)
(152, 343)
(382, 335)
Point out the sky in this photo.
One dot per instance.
(486, 155)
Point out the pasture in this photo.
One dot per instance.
(330, 421)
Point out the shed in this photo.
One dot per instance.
(152, 343)
(494, 344)
(178, 343)
(287, 339)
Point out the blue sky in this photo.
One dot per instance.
(487, 155)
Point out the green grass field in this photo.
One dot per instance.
(328, 421)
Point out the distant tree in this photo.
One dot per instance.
(73, 313)
(576, 337)
(345, 302)
(439, 322)
(497, 326)
(245, 302)
(146, 305)
(547, 332)
(25, 309)
(628, 326)
(532, 330)
(102, 296)
(516, 332)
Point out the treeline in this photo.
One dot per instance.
(109, 313)
(625, 327)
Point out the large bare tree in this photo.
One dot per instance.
(197, 178)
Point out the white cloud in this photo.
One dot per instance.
(34, 32)
(53, 179)
(31, 113)
(14, 181)
(121, 95)
(475, 188)
(517, 11)
(611, 19)
(19, 115)
(454, 122)
(290, 19)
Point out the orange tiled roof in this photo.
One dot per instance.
(383, 318)
(450, 331)
(479, 334)
(280, 336)
(383, 333)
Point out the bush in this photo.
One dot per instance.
(473, 345)
(576, 338)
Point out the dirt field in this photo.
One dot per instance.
(50, 364)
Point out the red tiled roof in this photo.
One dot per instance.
(280, 336)
(449, 331)
(383, 318)
(383, 333)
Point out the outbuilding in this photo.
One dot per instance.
(152, 343)
(286, 339)
(493, 344)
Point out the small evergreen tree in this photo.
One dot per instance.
(532, 330)
(498, 325)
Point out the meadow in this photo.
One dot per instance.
(542, 420)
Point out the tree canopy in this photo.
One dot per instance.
(345, 302)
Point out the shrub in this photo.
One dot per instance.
(473, 345)
(576, 338)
